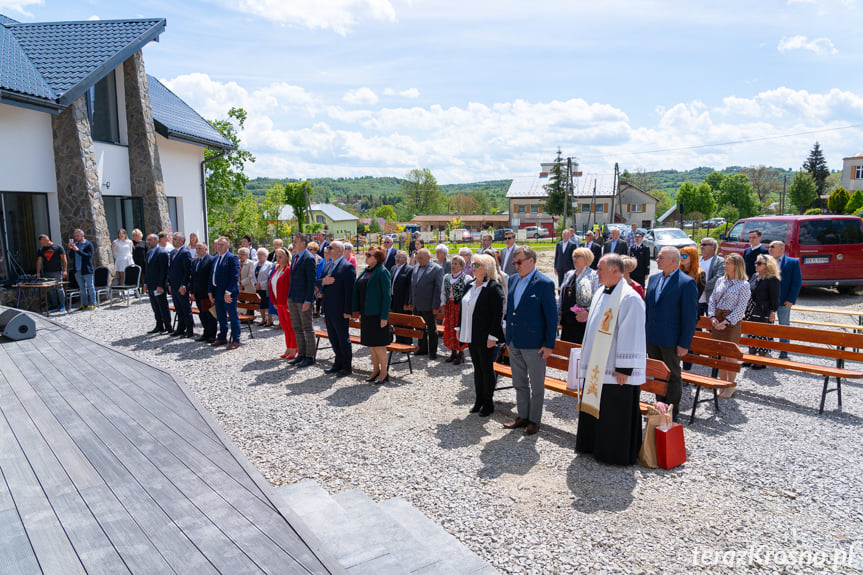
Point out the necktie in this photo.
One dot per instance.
(660, 287)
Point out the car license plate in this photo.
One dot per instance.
(821, 260)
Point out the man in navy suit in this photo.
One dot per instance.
(755, 249)
(155, 284)
(563, 256)
(615, 245)
(179, 273)
(301, 295)
(338, 288)
(789, 287)
(531, 330)
(199, 281)
(671, 303)
(225, 291)
(390, 259)
(594, 247)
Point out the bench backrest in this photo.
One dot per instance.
(803, 340)
(249, 300)
(714, 353)
(407, 325)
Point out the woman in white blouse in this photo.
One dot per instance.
(122, 248)
(726, 309)
(480, 327)
(260, 277)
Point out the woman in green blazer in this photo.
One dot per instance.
(372, 298)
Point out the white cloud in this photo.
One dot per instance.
(93, 18)
(412, 93)
(338, 15)
(19, 6)
(295, 133)
(820, 46)
(362, 96)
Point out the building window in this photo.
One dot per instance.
(534, 208)
(858, 172)
(585, 208)
(172, 214)
(636, 208)
(521, 208)
(125, 212)
(23, 217)
(600, 208)
(320, 219)
(102, 109)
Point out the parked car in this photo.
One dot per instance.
(460, 235)
(411, 228)
(500, 233)
(536, 232)
(830, 248)
(658, 238)
(714, 222)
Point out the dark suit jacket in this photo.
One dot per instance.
(750, 255)
(304, 270)
(401, 289)
(487, 313)
(85, 250)
(202, 271)
(717, 270)
(621, 247)
(179, 268)
(390, 260)
(227, 276)
(533, 324)
(563, 257)
(338, 296)
(789, 269)
(642, 257)
(596, 249)
(157, 270)
(426, 289)
(766, 295)
(671, 320)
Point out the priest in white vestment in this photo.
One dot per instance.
(613, 366)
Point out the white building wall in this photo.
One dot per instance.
(181, 173)
(112, 166)
(27, 157)
(849, 182)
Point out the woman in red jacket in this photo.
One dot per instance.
(280, 283)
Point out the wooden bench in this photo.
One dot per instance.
(656, 377)
(815, 343)
(247, 301)
(717, 355)
(412, 326)
(830, 324)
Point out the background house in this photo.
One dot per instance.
(852, 173)
(472, 222)
(88, 140)
(337, 221)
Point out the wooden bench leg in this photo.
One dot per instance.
(825, 391)
(389, 361)
(695, 403)
(411, 368)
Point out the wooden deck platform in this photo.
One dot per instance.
(108, 465)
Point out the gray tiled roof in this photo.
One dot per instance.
(53, 63)
(176, 120)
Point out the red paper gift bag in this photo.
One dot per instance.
(670, 448)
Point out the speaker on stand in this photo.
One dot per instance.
(16, 325)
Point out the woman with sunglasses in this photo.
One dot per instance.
(480, 327)
(372, 298)
(726, 309)
(764, 306)
(452, 290)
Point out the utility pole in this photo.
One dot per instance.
(782, 197)
(614, 193)
(593, 204)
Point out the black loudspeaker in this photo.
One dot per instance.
(16, 325)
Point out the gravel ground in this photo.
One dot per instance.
(770, 485)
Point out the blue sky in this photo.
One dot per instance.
(478, 90)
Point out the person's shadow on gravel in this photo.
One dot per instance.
(461, 433)
(350, 395)
(513, 453)
(600, 487)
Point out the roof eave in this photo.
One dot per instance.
(150, 35)
(163, 131)
(31, 103)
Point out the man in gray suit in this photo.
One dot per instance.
(506, 254)
(425, 299)
(711, 265)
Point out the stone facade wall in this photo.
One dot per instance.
(145, 169)
(78, 192)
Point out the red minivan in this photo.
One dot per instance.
(830, 248)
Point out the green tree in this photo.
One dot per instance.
(763, 181)
(557, 189)
(296, 195)
(838, 200)
(714, 180)
(663, 204)
(421, 192)
(737, 191)
(463, 204)
(387, 213)
(696, 199)
(816, 165)
(802, 192)
(375, 226)
(226, 180)
(855, 203)
(730, 213)
(273, 203)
